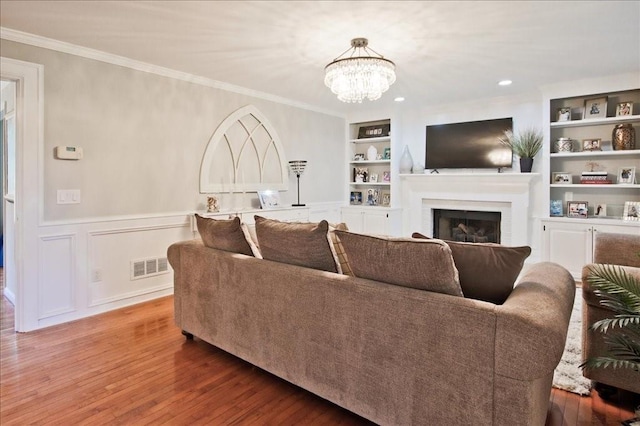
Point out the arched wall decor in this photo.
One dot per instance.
(244, 155)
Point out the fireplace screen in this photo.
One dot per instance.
(466, 226)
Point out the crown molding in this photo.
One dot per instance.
(97, 55)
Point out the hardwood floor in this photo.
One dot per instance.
(132, 366)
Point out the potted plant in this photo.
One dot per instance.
(619, 292)
(525, 144)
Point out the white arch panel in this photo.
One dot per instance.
(244, 154)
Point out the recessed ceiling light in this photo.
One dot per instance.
(505, 82)
(399, 99)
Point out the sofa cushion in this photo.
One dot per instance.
(226, 234)
(422, 264)
(487, 271)
(339, 249)
(302, 244)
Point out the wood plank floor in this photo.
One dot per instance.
(132, 366)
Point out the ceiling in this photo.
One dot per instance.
(445, 52)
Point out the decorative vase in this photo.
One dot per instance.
(525, 165)
(406, 162)
(564, 145)
(372, 153)
(623, 137)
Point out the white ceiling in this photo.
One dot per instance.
(444, 51)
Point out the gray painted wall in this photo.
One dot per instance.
(144, 136)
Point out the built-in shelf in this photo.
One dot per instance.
(371, 183)
(371, 162)
(595, 121)
(594, 185)
(630, 152)
(372, 140)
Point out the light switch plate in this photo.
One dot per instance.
(68, 196)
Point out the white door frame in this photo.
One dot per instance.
(28, 197)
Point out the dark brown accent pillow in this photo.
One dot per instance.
(487, 271)
(302, 244)
(225, 235)
(426, 265)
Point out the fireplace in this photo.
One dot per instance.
(467, 226)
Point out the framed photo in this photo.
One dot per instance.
(355, 198)
(631, 210)
(269, 199)
(373, 177)
(373, 197)
(592, 145)
(624, 108)
(600, 210)
(358, 157)
(555, 208)
(627, 175)
(386, 154)
(386, 176)
(577, 209)
(377, 131)
(386, 199)
(360, 174)
(562, 178)
(595, 108)
(564, 114)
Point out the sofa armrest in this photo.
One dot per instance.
(532, 323)
(173, 256)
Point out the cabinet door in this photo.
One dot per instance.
(353, 219)
(376, 223)
(569, 245)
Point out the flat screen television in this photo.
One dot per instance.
(468, 145)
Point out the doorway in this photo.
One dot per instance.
(7, 171)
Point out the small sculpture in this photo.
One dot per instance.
(212, 205)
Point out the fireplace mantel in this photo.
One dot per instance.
(508, 193)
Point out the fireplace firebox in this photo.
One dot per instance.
(466, 226)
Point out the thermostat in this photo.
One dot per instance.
(68, 152)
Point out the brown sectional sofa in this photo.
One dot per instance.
(392, 354)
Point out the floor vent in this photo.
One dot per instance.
(143, 268)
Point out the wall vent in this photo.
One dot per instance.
(143, 268)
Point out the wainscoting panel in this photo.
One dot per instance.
(114, 253)
(56, 277)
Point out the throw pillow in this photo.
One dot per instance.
(421, 264)
(228, 235)
(337, 245)
(487, 271)
(302, 244)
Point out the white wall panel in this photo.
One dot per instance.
(111, 252)
(56, 277)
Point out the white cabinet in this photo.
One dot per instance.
(570, 243)
(372, 220)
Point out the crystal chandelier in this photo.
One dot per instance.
(359, 75)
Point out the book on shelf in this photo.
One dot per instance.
(596, 181)
(595, 178)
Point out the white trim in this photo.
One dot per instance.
(85, 52)
(163, 287)
(29, 182)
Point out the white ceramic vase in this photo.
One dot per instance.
(372, 153)
(406, 161)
